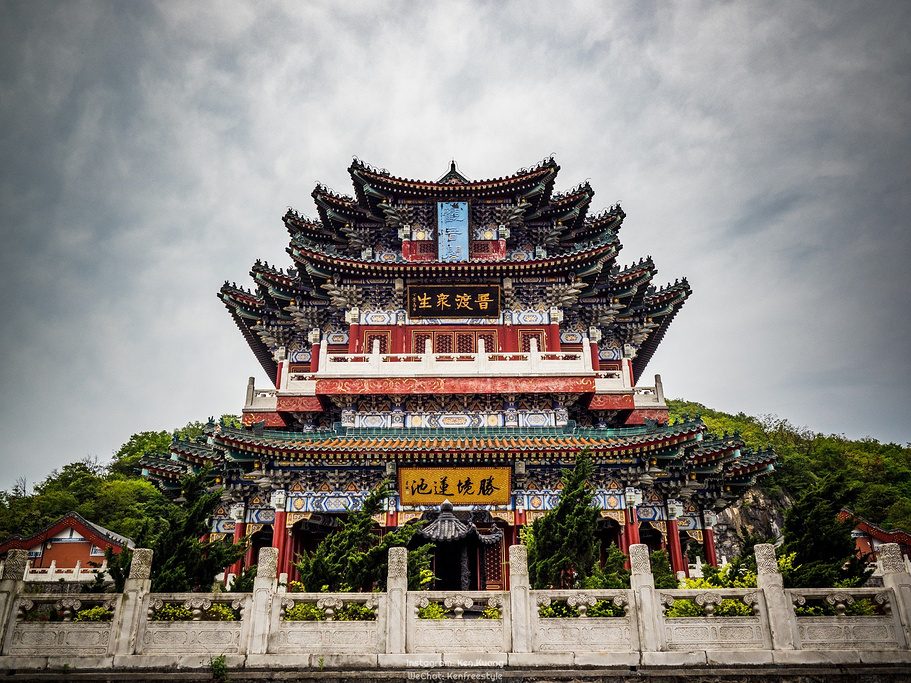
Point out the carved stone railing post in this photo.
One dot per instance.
(125, 629)
(396, 594)
(781, 615)
(12, 582)
(647, 605)
(264, 588)
(520, 599)
(896, 577)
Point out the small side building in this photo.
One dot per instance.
(868, 537)
(70, 549)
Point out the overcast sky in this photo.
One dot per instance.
(149, 150)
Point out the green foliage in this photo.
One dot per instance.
(433, 610)
(560, 609)
(98, 613)
(126, 459)
(219, 668)
(490, 613)
(219, 611)
(355, 611)
(186, 564)
(304, 611)
(605, 608)
(355, 556)
(562, 549)
(557, 609)
(661, 570)
(824, 551)
(244, 582)
(118, 566)
(613, 575)
(876, 477)
(171, 611)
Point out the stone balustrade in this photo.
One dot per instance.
(774, 629)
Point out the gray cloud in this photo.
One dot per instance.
(149, 150)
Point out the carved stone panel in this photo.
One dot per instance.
(458, 635)
(713, 633)
(46, 638)
(584, 635)
(186, 637)
(839, 633)
(326, 637)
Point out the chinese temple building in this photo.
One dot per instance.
(464, 340)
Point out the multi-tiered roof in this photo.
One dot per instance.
(556, 267)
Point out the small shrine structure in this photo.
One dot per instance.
(465, 340)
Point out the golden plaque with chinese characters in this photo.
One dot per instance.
(458, 485)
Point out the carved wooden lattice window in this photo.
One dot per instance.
(525, 338)
(427, 248)
(418, 340)
(480, 248)
(464, 342)
(493, 564)
(442, 342)
(383, 338)
(490, 344)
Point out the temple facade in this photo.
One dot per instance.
(463, 340)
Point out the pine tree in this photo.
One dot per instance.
(562, 547)
(825, 552)
(354, 558)
(184, 563)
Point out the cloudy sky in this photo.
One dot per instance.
(148, 151)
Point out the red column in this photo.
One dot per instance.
(673, 541)
(314, 357)
(596, 362)
(553, 338)
(240, 529)
(632, 526)
(278, 533)
(354, 332)
(708, 538)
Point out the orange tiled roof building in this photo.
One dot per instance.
(464, 339)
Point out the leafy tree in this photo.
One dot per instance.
(613, 575)
(562, 548)
(354, 558)
(823, 548)
(126, 459)
(243, 583)
(661, 570)
(184, 563)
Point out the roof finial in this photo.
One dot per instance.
(452, 167)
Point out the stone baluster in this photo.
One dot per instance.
(128, 618)
(781, 615)
(264, 588)
(396, 593)
(520, 599)
(896, 577)
(648, 607)
(12, 581)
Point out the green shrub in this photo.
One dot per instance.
(219, 611)
(304, 611)
(490, 613)
(98, 613)
(605, 608)
(172, 612)
(355, 611)
(433, 610)
(557, 609)
(729, 607)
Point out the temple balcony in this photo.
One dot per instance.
(482, 372)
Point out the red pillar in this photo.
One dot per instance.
(553, 338)
(278, 533)
(354, 333)
(240, 529)
(632, 526)
(708, 538)
(596, 361)
(314, 357)
(673, 543)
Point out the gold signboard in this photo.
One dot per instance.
(453, 301)
(458, 485)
